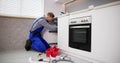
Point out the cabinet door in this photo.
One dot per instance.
(33, 8)
(63, 32)
(10, 7)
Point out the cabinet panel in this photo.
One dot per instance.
(63, 32)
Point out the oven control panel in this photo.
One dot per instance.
(80, 20)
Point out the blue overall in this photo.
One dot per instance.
(38, 43)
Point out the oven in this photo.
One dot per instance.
(80, 33)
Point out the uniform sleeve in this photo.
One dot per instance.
(36, 24)
(48, 26)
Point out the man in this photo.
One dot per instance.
(36, 42)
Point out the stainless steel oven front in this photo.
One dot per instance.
(80, 33)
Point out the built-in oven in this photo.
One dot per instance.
(80, 33)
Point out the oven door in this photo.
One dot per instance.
(80, 36)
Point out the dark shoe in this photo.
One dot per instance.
(28, 45)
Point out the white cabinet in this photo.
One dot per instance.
(105, 35)
(63, 32)
(10, 7)
(29, 8)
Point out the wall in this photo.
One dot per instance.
(13, 33)
(10, 7)
(105, 35)
(52, 6)
(32, 8)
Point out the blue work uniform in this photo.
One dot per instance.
(38, 43)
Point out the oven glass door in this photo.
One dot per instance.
(80, 37)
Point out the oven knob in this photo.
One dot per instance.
(86, 20)
(82, 21)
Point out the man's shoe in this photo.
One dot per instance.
(28, 45)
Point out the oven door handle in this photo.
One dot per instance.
(80, 27)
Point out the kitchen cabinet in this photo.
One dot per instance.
(105, 35)
(63, 32)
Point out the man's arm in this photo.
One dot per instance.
(49, 26)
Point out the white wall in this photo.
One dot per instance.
(105, 35)
(32, 8)
(11, 7)
(52, 6)
(29, 8)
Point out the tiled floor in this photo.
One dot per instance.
(22, 56)
(17, 56)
